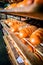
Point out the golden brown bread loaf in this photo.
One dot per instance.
(31, 29)
(27, 31)
(25, 3)
(15, 26)
(21, 3)
(37, 37)
(12, 22)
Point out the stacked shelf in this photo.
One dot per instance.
(34, 15)
(13, 42)
(30, 54)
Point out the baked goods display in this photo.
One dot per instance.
(26, 30)
(23, 30)
(37, 37)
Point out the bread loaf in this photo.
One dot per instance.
(37, 37)
(25, 3)
(27, 31)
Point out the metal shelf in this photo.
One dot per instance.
(34, 15)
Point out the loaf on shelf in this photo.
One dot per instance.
(37, 37)
(16, 26)
(25, 3)
(21, 3)
(27, 31)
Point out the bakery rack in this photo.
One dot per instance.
(14, 43)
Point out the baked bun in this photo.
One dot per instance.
(25, 3)
(15, 27)
(31, 29)
(27, 31)
(37, 37)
